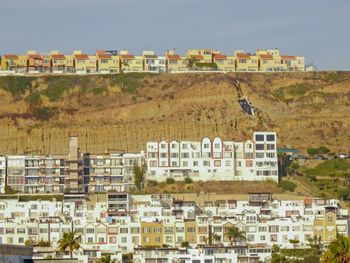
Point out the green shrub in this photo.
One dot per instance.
(294, 90)
(329, 167)
(188, 180)
(287, 186)
(16, 85)
(170, 181)
(34, 97)
(9, 190)
(320, 150)
(43, 113)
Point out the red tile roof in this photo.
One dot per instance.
(266, 56)
(35, 56)
(104, 56)
(220, 56)
(127, 56)
(173, 57)
(81, 56)
(58, 56)
(288, 57)
(150, 56)
(10, 56)
(242, 55)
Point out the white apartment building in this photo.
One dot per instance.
(110, 171)
(253, 160)
(2, 174)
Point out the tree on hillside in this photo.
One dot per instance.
(69, 241)
(312, 151)
(138, 176)
(338, 251)
(323, 150)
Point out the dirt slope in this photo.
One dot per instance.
(124, 111)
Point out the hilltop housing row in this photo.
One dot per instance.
(105, 62)
(154, 227)
(205, 160)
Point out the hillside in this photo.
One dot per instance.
(124, 111)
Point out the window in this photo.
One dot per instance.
(270, 147)
(101, 240)
(195, 163)
(90, 230)
(185, 155)
(206, 146)
(174, 155)
(227, 163)
(260, 155)
(90, 240)
(217, 145)
(270, 137)
(259, 147)
(249, 163)
(123, 230)
(259, 137)
(270, 155)
(191, 229)
(206, 163)
(217, 163)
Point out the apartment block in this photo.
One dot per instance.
(214, 159)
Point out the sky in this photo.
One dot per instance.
(316, 29)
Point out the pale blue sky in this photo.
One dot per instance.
(317, 29)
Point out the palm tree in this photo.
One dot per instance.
(234, 234)
(69, 241)
(216, 238)
(106, 258)
(338, 251)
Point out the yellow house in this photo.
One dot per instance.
(224, 63)
(202, 55)
(80, 61)
(70, 64)
(246, 62)
(129, 62)
(266, 63)
(9, 62)
(190, 232)
(107, 63)
(152, 234)
(175, 63)
(58, 62)
(325, 226)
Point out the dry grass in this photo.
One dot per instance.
(107, 113)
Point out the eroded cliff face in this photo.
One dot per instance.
(124, 111)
